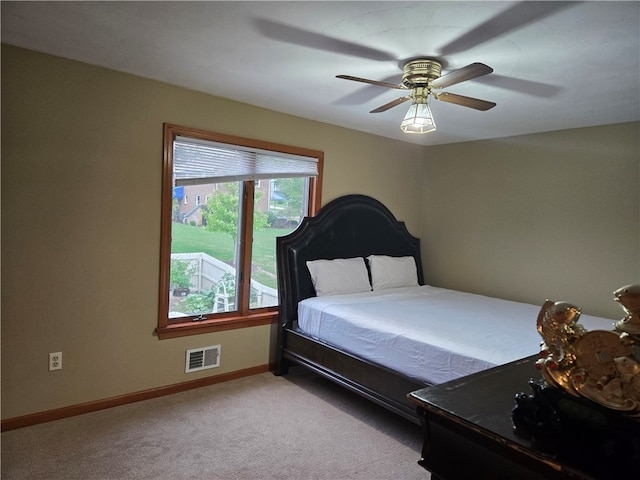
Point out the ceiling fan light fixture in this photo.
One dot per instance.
(420, 76)
(418, 118)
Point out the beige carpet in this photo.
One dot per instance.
(263, 427)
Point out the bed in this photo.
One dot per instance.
(393, 334)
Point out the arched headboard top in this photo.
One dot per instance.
(349, 226)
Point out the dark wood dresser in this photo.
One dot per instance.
(469, 434)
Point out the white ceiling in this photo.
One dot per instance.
(557, 65)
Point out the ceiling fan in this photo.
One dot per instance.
(421, 76)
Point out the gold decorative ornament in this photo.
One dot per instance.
(602, 366)
(629, 298)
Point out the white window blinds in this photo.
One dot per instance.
(197, 162)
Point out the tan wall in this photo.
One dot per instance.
(81, 173)
(553, 215)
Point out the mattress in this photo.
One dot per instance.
(428, 333)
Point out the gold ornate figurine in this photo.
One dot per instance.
(629, 298)
(601, 365)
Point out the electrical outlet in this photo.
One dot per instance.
(55, 361)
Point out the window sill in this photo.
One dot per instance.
(218, 325)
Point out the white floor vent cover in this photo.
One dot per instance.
(202, 358)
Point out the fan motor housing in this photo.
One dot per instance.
(418, 73)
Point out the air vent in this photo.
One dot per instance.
(202, 358)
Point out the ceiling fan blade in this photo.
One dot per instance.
(364, 94)
(372, 82)
(389, 105)
(463, 74)
(465, 101)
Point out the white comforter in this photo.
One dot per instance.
(428, 333)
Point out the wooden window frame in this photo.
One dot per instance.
(244, 317)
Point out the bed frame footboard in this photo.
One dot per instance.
(376, 383)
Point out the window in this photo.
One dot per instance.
(218, 258)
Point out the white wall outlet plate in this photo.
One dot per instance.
(55, 361)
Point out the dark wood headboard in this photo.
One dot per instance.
(349, 226)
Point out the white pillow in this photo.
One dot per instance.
(342, 275)
(392, 272)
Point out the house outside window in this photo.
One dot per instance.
(218, 263)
